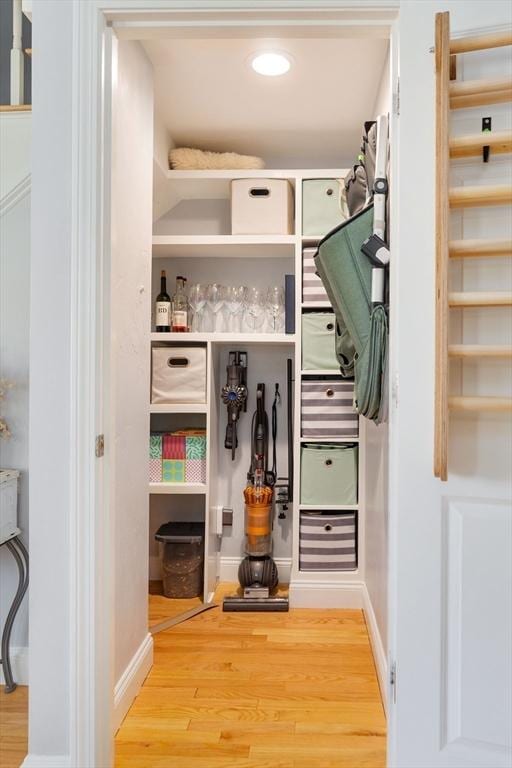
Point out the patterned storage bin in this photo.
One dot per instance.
(327, 542)
(328, 474)
(313, 291)
(327, 408)
(178, 457)
(318, 341)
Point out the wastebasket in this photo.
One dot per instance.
(183, 557)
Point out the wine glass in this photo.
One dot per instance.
(235, 295)
(275, 307)
(197, 301)
(215, 296)
(255, 308)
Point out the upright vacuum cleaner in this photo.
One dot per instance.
(257, 573)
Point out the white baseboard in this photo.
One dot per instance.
(326, 594)
(46, 761)
(229, 568)
(379, 655)
(19, 666)
(131, 680)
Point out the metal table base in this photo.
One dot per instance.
(20, 554)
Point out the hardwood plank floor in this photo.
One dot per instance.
(269, 690)
(13, 727)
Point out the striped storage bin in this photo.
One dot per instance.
(313, 291)
(327, 542)
(327, 408)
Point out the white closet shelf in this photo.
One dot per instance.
(321, 305)
(178, 408)
(226, 338)
(320, 372)
(328, 507)
(224, 246)
(177, 488)
(323, 440)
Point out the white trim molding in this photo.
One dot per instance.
(19, 665)
(132, 679)
(229, 568)
(326, 594)
(15, 195)
(46, 761)
(379, 655)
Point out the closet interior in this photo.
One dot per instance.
(240, 236)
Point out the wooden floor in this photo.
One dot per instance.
(13, 727)
(270, 690)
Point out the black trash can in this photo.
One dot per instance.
(183, 558)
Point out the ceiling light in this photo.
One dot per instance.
(270, 64)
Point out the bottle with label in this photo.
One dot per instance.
(180, 307)
(163, 307)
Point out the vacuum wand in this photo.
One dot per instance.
(234, 396)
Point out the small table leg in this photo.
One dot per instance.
(20, 554)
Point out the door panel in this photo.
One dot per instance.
(451, 543)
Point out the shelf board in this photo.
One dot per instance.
(178, 408)
(326, 440)
(321, 372)
(318, 305)
(226, 338)
(177, 488)
(224, 246)
(328, 507)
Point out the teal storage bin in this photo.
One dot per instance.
(319, 341)
(328, 474)
(323, 206)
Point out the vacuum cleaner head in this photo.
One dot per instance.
(255, 604)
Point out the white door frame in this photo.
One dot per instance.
(91, 572)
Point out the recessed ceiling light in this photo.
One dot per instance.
(270, 64)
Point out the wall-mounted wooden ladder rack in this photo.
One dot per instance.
(458, 95)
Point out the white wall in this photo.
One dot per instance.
(130, 313)
(14, 346)
(50, 390)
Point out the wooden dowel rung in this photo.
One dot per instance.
(480, 42)
(480, 350)
(472, 196)
(479, 248)
(470, 146)
(480, 299)
(471, 87)
(481, 99)
(464, 403)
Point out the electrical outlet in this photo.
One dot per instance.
(227, 516)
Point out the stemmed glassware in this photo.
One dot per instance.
(275, 308)
(215, 297)
(235, 296)
(255, 308)
(197, 302)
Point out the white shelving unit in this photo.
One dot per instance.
(306, 587)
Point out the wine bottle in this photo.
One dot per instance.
(180, 307)
(163, 307)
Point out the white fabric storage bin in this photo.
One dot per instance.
(313, 291)
(178, 375)
(324, 206)
(327, 408)
(261, 207)
(327, 541)
(8, 504)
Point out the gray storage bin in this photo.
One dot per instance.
(327, 408)
(319, 341)
(328, 474)
(183, 559)
(327, 541)
(324, 206)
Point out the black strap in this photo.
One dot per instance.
(277, 399)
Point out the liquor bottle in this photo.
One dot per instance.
(180, 307)
(163, 307)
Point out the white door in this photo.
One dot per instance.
(451, 543)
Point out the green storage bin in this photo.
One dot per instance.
(319, 341)
(324, 206)
(328, 474)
